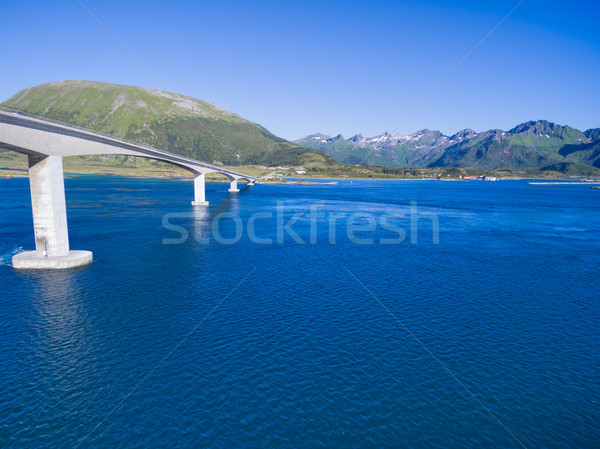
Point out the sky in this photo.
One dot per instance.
(335, 67)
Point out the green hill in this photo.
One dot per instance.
(165, 120)
(588, 153)
(573, 169)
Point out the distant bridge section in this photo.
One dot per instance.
(46, 142)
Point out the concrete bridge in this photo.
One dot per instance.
(45, 143)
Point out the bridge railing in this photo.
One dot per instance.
(68, 124)
(108, 135)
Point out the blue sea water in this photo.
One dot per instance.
(488, 339)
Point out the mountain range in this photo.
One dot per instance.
(208, 132)
(532, 145)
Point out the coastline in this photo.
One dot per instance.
(10, 170)
(330, 180)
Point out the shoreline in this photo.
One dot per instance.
(23, 173)
(10, 173)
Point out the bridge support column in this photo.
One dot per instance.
(49, 219)
(233, 186)
(199, 191)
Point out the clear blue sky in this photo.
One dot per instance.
(325, 66)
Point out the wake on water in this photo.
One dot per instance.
(6, 258)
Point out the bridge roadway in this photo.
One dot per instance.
(46, 142)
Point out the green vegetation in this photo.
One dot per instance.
(358, 150)
(141, 167)
(165, 120)
(378, 172)
(574, 169)
(530, 146)
(207, 132)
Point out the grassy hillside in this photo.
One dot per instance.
(587, 154)
(165, 120)
(573, 169)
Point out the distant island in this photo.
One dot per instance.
(207, 132)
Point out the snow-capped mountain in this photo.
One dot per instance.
(533, 144)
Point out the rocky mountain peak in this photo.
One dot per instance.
(466, 133)
(536, 127)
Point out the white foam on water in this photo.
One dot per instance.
(6, 259)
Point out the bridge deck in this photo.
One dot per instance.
(39, 135)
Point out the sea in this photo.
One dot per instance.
(362, 314)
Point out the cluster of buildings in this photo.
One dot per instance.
(479, 178)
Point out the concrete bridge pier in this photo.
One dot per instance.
(199, 191)
(49, 218)
(233, 186)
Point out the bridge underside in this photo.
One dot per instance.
(46, 144)
(48, 204)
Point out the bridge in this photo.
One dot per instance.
(46, 142)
